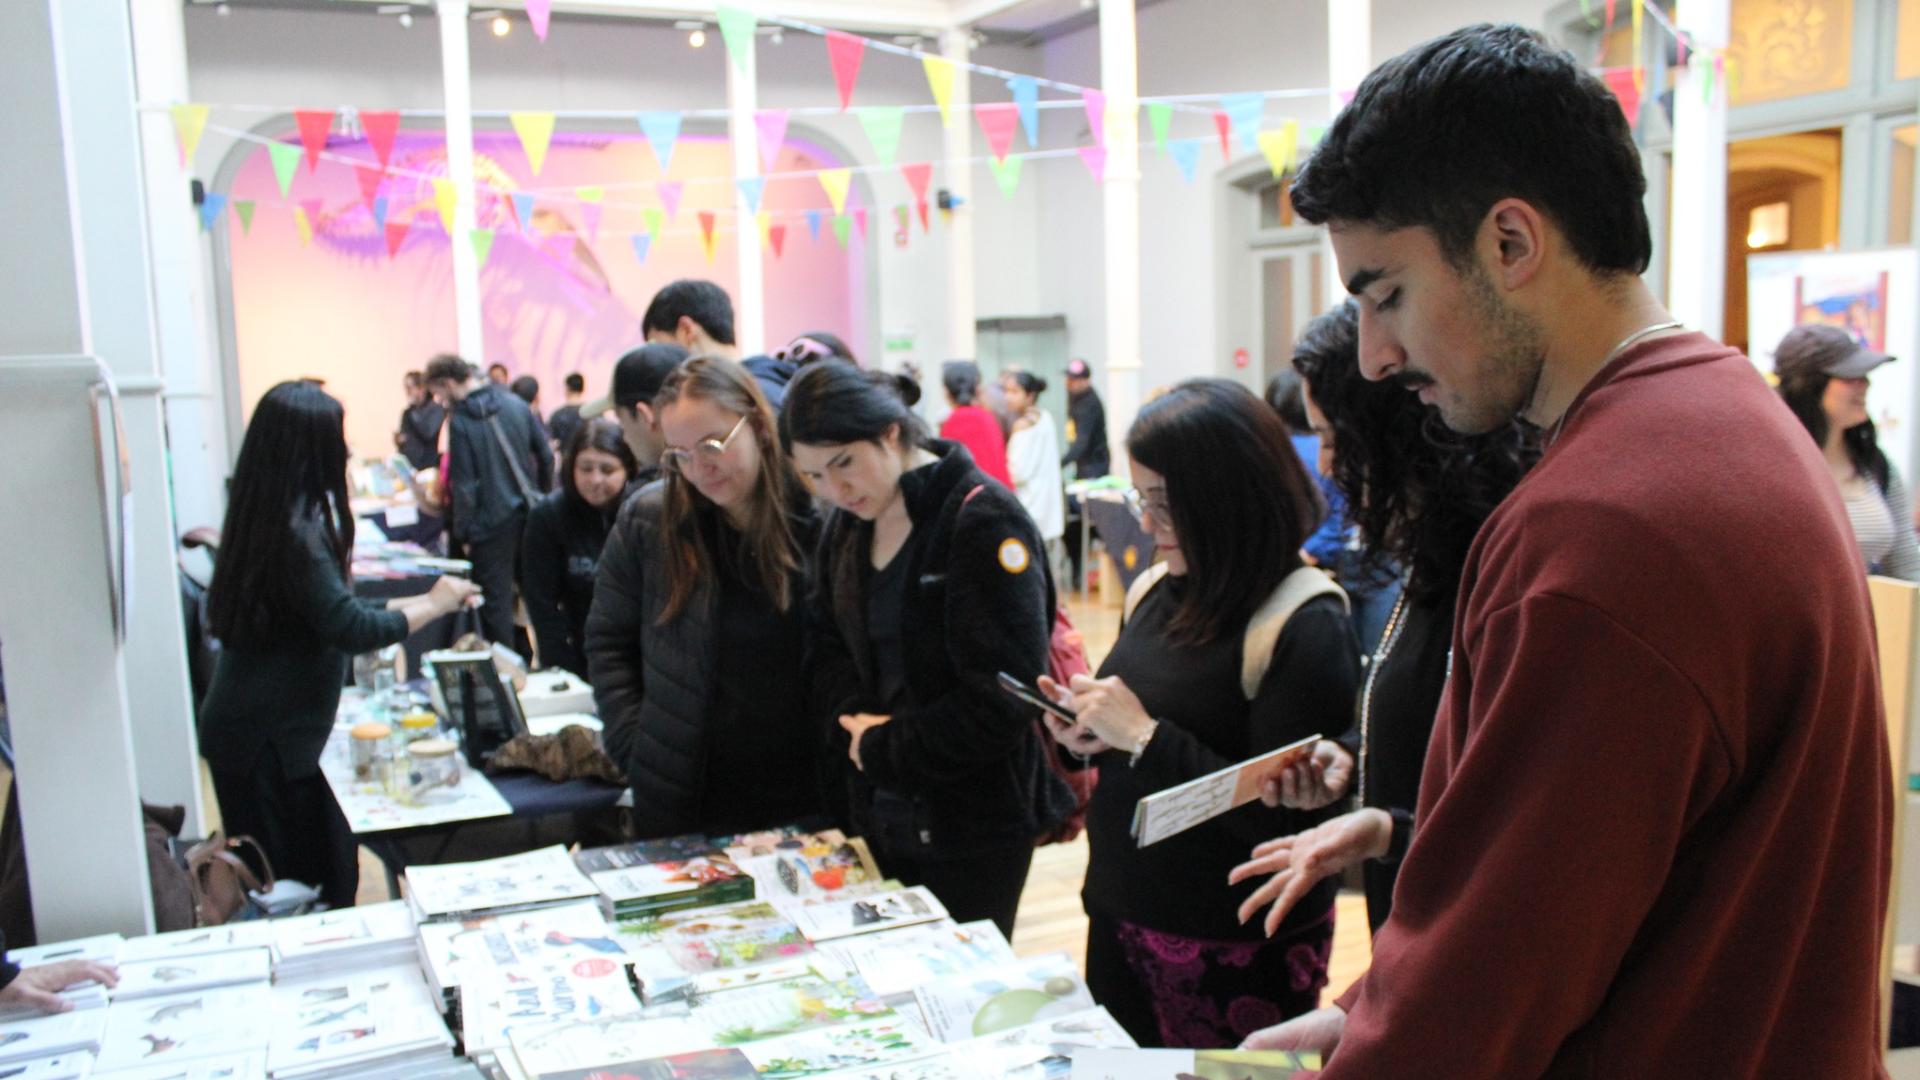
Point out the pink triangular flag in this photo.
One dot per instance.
(1096, 103)
(998, 119)
(860, 219)
(370, 177)
(845, 50)
(380, 128)
(396, 235)
(538, 12)
(1095, 158)
(670, 196)
(772, 127)
(1224, 125)
(312, 207)
(314, 125)
(917, 178)
(590, 213)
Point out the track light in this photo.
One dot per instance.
(697, 39)
(501, 26)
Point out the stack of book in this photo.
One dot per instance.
(456, 953)
(706, 950)
(186, 974)
(102, 948)
(35, 1042)
(378, 935)
(828, 918)
(183, 1029)
(522, 882)
(655, 876)
(382, 1018)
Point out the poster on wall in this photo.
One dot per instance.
(1872, 296)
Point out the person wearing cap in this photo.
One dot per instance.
(636, 379)
(698, 316)
(1822, 376)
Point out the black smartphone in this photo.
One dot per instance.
(1031, 694)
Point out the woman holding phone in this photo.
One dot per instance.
(928, 584)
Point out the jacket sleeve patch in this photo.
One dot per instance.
(1013, 556)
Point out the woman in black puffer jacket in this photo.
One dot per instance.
(565, 534)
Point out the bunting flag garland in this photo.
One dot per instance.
(536, 131)
(860, 219)
(641, 244)
(813, 225)
(883, 131)
(900, 221)
(1186, 154)
(771, 126)
(777, 239)
(1095, 159)
(835, 182)
(312, 207)
(444, 197)
(1282, 148)
(189, 123)
(1006, 174)
(314, 126)
(1095, 102)
(592, 193)
(655, 219)
(211, 207)
(369, 177)
(918, 176)
(304, 226)
(1243, 113)
(736, 28)
(920, 207)
(1613, 7)
(1626, 90)
(380, 212)
(285, 158)
(763, 221)
(1224, 125)
(997, 121)
(380, 126)
(751, 188)
(1026, 98)
(243, 209)
(482, 246)
(662, 130)
(940, 81)
(1160, 119)
(1639, 71)
(539, 12)
(707, 238)
(845, 51)
(396, 235)
(841, 223)
(669, 192)
(523, 210)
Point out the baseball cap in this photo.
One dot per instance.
(1078, 369)
(1826, 349)
(637, 377)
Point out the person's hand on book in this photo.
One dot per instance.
(38, 988)
(1110, 710)
(1318, 1030)
(1322, 779)
(856, 726)
(1301, 861)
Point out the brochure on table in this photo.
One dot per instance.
(369, 809)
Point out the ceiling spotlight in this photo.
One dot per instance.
(406, 20)
(697, 39)
(778, 37)
(1086, 5)
(223, 9)
(501, 26)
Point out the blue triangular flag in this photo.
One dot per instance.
(523, 209)
(1026, 95)
(380, 212)
(1244, 112)
(751, 187)
(663, 130)
(1186, 154)
(211, 208)
(813, 224)
(641, 243)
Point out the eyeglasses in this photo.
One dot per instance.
(1141, 504)
(707, 451)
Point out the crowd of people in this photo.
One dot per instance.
(1612, 760)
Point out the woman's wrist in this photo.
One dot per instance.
(1137, 745)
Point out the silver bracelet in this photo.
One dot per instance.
(1140, 747)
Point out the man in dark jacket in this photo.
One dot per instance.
(636, 379)
(419, 434)
(566, 419)
(698, 317)
(498, 465)
(1087, 450)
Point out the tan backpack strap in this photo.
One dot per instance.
(1263, 630)
(1141, 586)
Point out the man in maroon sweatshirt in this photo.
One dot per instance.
(1653, 830)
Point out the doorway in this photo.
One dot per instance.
(1783, 194)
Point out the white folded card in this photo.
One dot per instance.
(1183, 806)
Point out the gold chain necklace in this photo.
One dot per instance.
(1388, 638)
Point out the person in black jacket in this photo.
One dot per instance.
(288, 624)
(698, 316)
(499, 465)
(567, 419)
(637, 377)
(37, 989)
(418, 437)
(1087, 451)
(694, 641)
(930, 582)
(565, 534)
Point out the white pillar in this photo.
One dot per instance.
(456, 74)
(962, 313)
(1697, 255)
(743, 100)
(1120, 201)
(96, 38)
(66, 691)
(1349, 58)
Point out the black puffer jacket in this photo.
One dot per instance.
(653, 682)
(559, 557)
(486, 495)
(963, 756)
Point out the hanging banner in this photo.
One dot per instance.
(1282, 148)
(1006, 174)
(736, 28)
(538, 13)
(482, 246)
(662, 130)
(860, 219)
(443, 201)
(189, 123)
(380, 126)
(669, 192)
(1095, 159)
(211, 207)
(918, 176)
(312, 207)
(845, 51)
(1095, 102)
(940, 81)
(835, 182)
(285, 158)
(396, 235)
(314, 126)
(707, 238)
(920, 207)
(771, 126)
(1244, 112)
(1626, 90)
(1026, 98)
(590, 217)
(763, 222)
(243, 209)
(1160, 120)
(536, 131)
(751, 188)
(883, 131)
(997, 121)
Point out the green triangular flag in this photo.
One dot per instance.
(285, 157)
(883, 131)
(841, 223)
(736, 26)
(243, 209)
(1160, 116)
(482, 245)
(1006, 173)
(655, 218)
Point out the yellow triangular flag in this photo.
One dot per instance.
(1279, 146)
(189, 123)
(940, 81)
(835, 181)
(306, 227)
(536, 131)
(710, 241)
(1291, 129)
(765, 221)
(443, 197)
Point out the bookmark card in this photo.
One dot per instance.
(1181, 807)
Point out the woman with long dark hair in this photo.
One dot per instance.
(1231, 647)
(565, 534)
(1419, 492)
(695, 637)
(1822, 373)
(970, 424)
(928, 585)
(283, 608)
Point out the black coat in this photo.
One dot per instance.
(653, 682)
(559, 557)
(1086, 436)
(963, 754)
(420, 434)
(486, 496)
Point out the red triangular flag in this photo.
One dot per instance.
(1613, 7)
(380, 127)
(369, 177)
(998, 120)
(1224, 124)
(314, 125)
(397, 235)
(706, 226)
(845, 50)
(1620, 81)
(860, 219)
(917, 178)
(777, 236)
(922, 207)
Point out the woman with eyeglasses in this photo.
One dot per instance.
(928, 585)
(694, 641)
(1230, 648)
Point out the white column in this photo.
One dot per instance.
(1120, 203)
(957, 177)
(1697, 249)
(66, 691)
(1349, 58)
(743, 100)
(96, 38)
(456, 74)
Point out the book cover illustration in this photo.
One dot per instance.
(814, 864)
(342, 931)
(997, 999)
(896, 961)
(1044, 1049)
(251, 934)
(50, 1036)
(535, 877)
(839, 918)
(589, 990)
(351, 1018)
(566, 934)
(765, 841)
(831, 1050)
(586, 1045)
(168, 1030)
(1192, 1064)
(694, 1065)
(645, 852)
(668, 877)
(770, 1012)
(157, 978)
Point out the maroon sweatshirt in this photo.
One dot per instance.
(1655, 821)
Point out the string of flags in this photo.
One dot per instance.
(1710, 64)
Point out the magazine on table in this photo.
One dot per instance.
(893, 962)
(179, 975)
(326, 1023)
(565, 934)
(491, 1006)
(530, 879)
(558, 1048)
(703, 950)
(739, 1017)
(243, 1065)
(996, 999)
(837, 1049)
(692, 1065)
(1044, 1049)
(51, 1036)
(74, 1066)
(830, 919)
(309, 937)
(250, 934)
(158, 1031)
